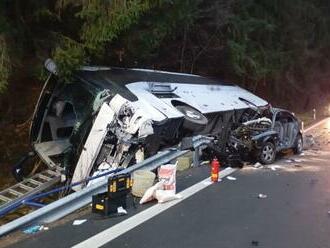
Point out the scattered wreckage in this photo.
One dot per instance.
(115, 117)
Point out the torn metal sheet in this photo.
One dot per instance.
(93, 144)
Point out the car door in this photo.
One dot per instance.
(279, 126)
(292, 130)
(287, 127)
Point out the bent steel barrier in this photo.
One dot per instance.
(77, 200)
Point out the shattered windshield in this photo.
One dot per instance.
(83, 97)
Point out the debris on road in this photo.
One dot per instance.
(231, 178)
(293, 160)
(309, 140)
(262, 196)
(254, 243)
(121, 211)
(275, 167)
(258, 165)
(78, 222)
(33, 229)
(205, 162)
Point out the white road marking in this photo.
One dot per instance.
(316, 124)
(115, 231)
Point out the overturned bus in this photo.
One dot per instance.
(118, 117)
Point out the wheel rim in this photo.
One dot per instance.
(299, 145)
(268, 153)
(193, 114)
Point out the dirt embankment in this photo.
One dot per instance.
(16, 108)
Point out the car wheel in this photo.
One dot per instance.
(193, 119)
(299, 145)
(267, 153)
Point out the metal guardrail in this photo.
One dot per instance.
(30, 200)
(77, 200)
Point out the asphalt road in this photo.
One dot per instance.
(295, 212)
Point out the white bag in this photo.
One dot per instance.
(165, 189)
(166, 195)
(149, 194)
(167, 175)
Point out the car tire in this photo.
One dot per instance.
(194, 120)
(299, 145)
(267, 153)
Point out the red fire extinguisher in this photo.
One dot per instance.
(215, 170)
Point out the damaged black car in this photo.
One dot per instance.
(266, 134)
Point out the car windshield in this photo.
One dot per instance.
(83, 98)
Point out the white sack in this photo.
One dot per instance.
(167, 175)
(149, 194)
(166, 195)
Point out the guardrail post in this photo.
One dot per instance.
(196, 156)
(314, 114)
